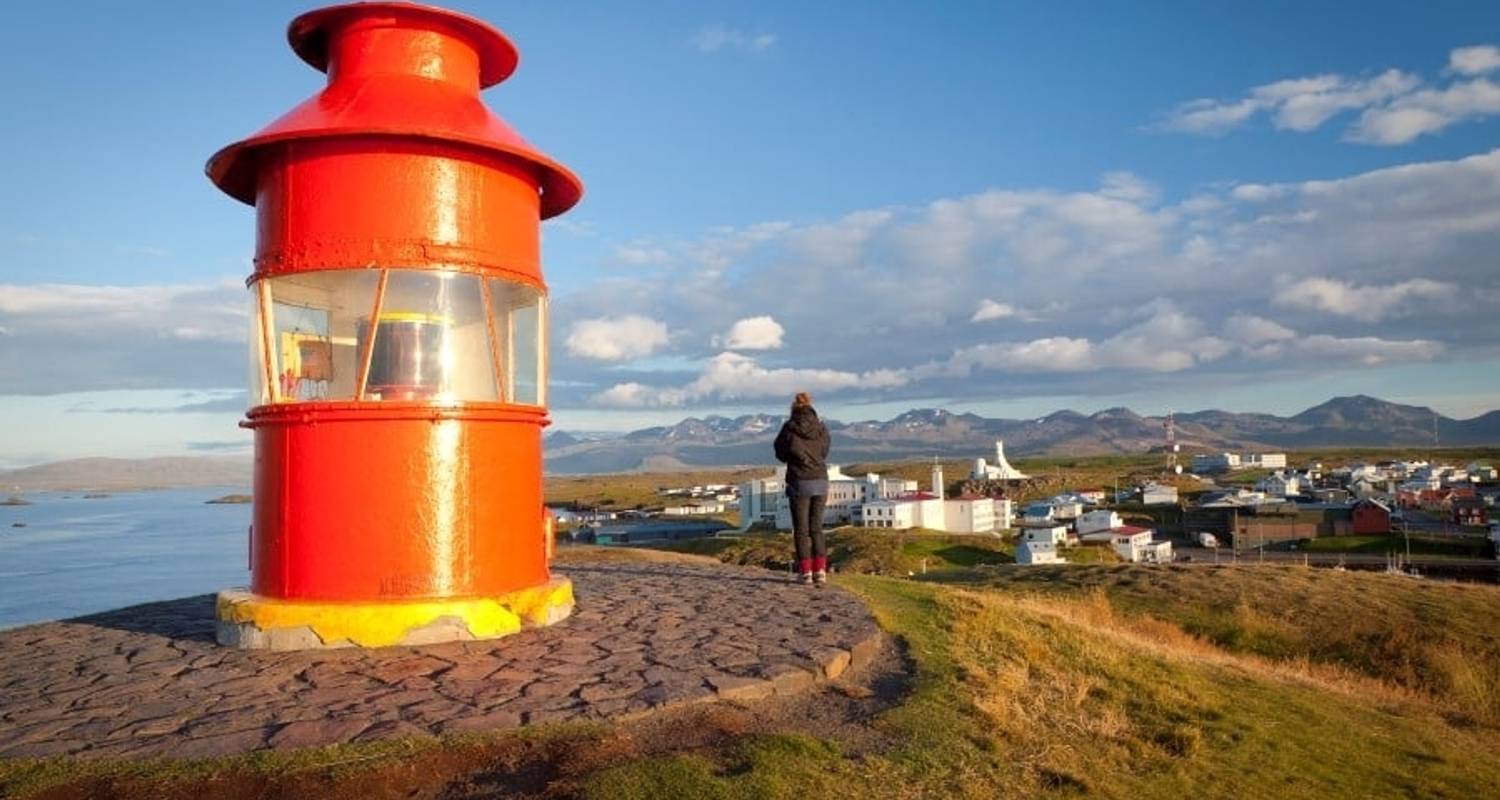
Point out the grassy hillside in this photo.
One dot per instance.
(1437, 639)
(1024, 694)
(1082, 681)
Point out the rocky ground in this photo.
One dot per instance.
(148, 681)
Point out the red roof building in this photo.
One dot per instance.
(1370, 517)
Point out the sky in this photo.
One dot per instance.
(1005, 208)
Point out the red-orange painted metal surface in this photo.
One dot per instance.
(397, 163)
(350, 507)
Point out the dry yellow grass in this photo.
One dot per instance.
(1435, 639)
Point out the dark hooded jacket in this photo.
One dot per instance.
(802, 445)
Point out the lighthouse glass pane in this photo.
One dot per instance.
(257, 362)
(431, 342)
(517, 312)
(314, 325)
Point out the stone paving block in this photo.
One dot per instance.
(218, 745)
(315, 732)
(393, 729)
(149, 680)
(832, 660)
(731, 687)
(789, 680)
(492, 720)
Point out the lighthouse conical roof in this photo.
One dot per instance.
(399, 92)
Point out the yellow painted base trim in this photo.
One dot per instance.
(250, 620)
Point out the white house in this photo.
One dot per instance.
(1263, 460)
(1135, 545)
(1039, 513)
(1107, 536)
(898, 514)
(970, 514)
(1039, 545)
(1156, 494)
(1101, 520)
(1215, 462)
(1065, 506)
(1001, 470)
(1280, 484)
(759, 499)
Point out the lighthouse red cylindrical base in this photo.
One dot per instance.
(422, 498)
(398, 344)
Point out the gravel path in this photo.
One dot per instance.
(149, 681)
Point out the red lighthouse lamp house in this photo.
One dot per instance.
(398, 344)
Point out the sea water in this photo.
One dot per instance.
(78, 555)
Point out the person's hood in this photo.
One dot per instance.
(805, 422)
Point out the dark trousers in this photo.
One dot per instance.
(807, 531)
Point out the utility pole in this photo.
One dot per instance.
(1171, 427)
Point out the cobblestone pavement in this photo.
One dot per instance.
(149, 681)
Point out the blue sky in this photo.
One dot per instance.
(1006, 208)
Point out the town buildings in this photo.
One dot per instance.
(877, 502)
(1209, 463)
(1156, 494)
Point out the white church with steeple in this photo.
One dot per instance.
(1001, 470)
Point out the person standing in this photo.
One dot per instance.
(803, 445)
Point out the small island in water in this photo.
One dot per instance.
(229, 499)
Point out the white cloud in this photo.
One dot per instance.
(1209, 117)
(1167, 341)
(1366, 303)
(716, 37)
(1304, 105)
(1127, 186)
(1394, 106)
(1427, 111)
(989, 309)
(1251, 329)
(1326, 351)
(754, 333)
(616, 338)
(1088, 272)
(1367, 350)
(214, 311)
(1298, 104)
(1475, 60)
(732, 376)
(71, 337)
(639, 254)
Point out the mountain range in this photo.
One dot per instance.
(717, 441)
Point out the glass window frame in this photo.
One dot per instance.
(264, 355)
